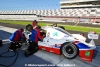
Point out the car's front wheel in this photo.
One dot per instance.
(69, 50)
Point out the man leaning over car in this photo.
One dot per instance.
(33, 43)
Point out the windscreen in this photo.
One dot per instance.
(63, 31)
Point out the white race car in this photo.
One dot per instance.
(61, 42)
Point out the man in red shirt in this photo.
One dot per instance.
(34, 23)
(37, 28)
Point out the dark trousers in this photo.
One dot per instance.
(14, 46)
(32, 48)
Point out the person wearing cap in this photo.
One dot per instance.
(17, 35)
(33, 42)
(37, 28)
(34, 23)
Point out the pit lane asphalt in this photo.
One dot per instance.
(97, 42)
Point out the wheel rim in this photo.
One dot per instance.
(69, 51)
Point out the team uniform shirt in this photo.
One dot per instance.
(34, 36)
(16, 36)
(39, 35)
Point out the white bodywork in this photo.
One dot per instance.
(55, 35)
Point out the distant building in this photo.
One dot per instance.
(79, 4)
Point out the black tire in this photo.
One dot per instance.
(29, 27)
(69, 50)
(62, 27)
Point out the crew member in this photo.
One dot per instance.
(34, 23)
(17, 35)
(15, 38)
(33, 43)
(38, 29)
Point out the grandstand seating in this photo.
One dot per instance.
(56, 13)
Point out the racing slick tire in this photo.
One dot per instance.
(61, 27)
(69, 50)
(29, 27)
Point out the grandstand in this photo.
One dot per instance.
(71, 11)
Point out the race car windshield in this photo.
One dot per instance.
(63, 31)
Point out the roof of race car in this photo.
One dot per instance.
(57, 28)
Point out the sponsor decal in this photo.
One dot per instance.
(55, 34)
(87, 53)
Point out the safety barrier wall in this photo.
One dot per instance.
(28, 18)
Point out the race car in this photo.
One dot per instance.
(61, 42)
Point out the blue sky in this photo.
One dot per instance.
(29, 4)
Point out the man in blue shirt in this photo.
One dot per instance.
(33, 43)
(17, 35)
(15, 38)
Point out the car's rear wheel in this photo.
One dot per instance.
(69, 50)
(29, 27)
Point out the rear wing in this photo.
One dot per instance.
(91, 37)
